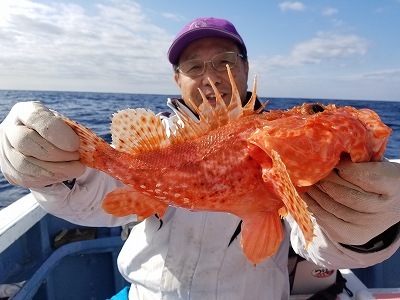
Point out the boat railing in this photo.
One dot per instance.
(18, 218)
(29, 255)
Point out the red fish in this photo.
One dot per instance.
(233, 159)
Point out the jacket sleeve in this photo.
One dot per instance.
(81, 203)
(325, 252)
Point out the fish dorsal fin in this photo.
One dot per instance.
(220, 112)
(210, 118)
(248, 109)
(138, 130)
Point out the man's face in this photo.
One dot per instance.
(205, 49)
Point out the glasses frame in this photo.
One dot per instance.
(178, 69)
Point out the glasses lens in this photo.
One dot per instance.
(195, 67)
(192, 67)
(220, 61)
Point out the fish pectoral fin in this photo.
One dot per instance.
(284, 188)
(138, 130)
(124, 201)
(262, 235)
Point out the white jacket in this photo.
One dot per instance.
(188, 257)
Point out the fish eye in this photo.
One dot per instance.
(316, 108)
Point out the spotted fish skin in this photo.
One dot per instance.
(235, 160)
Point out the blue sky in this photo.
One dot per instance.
(311, 49)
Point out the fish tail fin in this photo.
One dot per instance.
(91, 144)
(124, 201)
(262, 235)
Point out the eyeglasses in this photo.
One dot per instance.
(196, 67)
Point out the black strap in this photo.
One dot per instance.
(161, 221)
(236, 233)
(383, 240)
(70, 183)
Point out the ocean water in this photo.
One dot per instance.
(95, 109)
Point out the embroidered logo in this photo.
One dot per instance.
(198, 24)
(322, 273)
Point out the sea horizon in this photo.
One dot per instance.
(178, 95)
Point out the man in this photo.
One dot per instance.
(197, 255)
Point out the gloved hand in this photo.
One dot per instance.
(357, 201)
(37, 148)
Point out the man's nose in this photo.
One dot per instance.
(212, 73)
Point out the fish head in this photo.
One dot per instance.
(312, 138)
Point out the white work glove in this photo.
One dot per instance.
(357, 201)
(37, 148)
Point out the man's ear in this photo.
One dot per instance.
(247, 68)
(176, 78)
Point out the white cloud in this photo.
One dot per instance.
(388, 75)
(326, 46)
(330, 11)
(289, 5)
(172, 16)
(115, 43)
(337, 22)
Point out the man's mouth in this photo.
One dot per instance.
(213, 99)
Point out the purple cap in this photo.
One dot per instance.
(199, 28)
